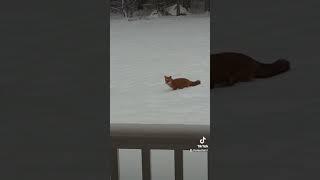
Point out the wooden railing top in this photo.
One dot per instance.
(158, 136)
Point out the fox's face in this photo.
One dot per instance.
(167, 79)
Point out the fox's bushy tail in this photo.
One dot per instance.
(194, 83)
(275, 68)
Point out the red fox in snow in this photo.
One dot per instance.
(179, 83)
(229, 68)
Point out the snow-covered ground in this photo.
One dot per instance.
(142, 52)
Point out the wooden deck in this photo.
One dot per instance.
(156, 136)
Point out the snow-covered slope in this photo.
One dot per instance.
(142, 52)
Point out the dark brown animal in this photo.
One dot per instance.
(229, 68)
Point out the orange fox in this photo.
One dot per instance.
(229, 68)
(179, 83)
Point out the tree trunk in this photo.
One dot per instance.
(178, 7)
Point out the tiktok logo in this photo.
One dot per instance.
(202, 147)
(202, 140)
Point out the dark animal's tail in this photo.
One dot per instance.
(194, 83)
(268, 70)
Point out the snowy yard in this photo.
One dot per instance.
(142, 52)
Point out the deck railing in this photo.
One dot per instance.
(155, 136)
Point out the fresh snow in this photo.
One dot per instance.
(142, 52)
